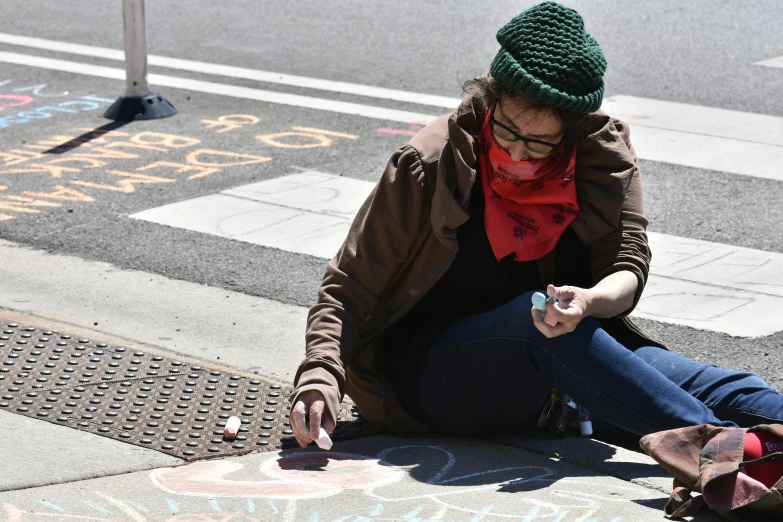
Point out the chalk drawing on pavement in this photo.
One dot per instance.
(231, 122)
(101, 161)
(312, 475)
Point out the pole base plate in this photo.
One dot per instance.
(131, 108)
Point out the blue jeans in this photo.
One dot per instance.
(492, 373)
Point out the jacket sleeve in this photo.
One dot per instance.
(625, 247)
(378, 242)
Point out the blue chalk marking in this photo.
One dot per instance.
(377, 510)
(95, 98)
(274, 508)
(533, 513)
(172, 505)
(481, 515)
(562, 516)
(412, 513)
(138, 506)
(345, 518)
(313, 517)
(214, 505)
(49, 504)
(251, 508)
(97, 507)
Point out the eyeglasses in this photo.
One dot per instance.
(506, 134)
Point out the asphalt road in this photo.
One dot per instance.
(696, 53)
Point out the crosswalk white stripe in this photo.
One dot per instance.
(695, 119)
(662, 131)
(221, 89)
(694, 283)
(235, 72)
(772, 62)
(717, 264)
(708, 152)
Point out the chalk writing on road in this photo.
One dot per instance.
(38, 90)
(313, 138)
(49, 110)
(13, 100)
(98, 164)
(231, 122)
(412, 130)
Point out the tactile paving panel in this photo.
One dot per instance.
(145, 399)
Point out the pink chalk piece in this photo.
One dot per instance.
(232, 428)
(550, 320)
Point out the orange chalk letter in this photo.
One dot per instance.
(207, 157)
(126, 186)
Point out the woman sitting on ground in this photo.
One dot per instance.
(424, 317)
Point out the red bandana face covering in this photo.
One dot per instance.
(529, 204)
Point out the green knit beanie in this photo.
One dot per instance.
(547, 56)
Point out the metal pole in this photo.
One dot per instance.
(138, 103)
(135, 48)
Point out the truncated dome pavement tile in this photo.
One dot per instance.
(149, 400)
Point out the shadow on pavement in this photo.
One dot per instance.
(85, 138)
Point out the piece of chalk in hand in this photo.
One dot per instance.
(323, 441)
(539, 302)
(232, 428)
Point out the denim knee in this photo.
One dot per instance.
(519, 310)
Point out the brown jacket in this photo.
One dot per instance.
(405, 236)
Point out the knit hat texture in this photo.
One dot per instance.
(546, 55)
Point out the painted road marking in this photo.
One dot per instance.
(235, 72)
(306, 213)
(680, 134)
(695, 119)
(221, 89)
(772, 62)
(702, 137)
(694, 283)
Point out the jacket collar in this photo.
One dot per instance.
(456, 170)
(606, 163)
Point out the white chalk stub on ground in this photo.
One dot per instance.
(232, 428)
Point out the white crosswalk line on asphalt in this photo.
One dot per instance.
(695, 119)
(772, 62)
(668, 132)
(693, 283)
(234, 72)
(702, 137)
(221, 89)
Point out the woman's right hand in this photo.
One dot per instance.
(312, 404)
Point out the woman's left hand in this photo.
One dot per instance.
(569, 312)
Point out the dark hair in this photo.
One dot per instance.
(487, 91)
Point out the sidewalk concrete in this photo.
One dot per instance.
(379, 478)
(212, 324)
(55, 472)
(35, 453)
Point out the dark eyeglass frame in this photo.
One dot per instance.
(518, 137)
